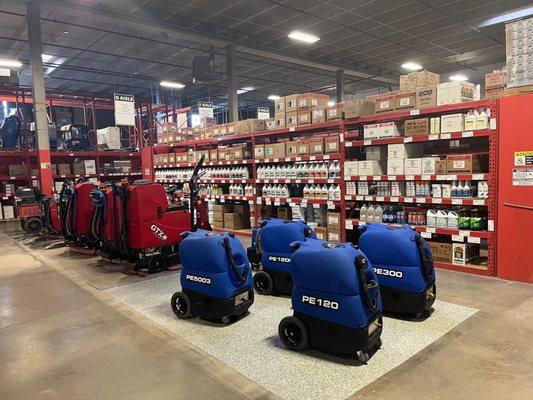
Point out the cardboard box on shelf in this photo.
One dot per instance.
(213, 155)
(385, 103)
(376, 153)
(284, 213)
(426, 96)
(270, 124)
(78, 168)
(441, 251)
(516, 90)
(358, 108)
(316, 145)
(279, 105)
(464, 163)
(496, 79)
(351, 168)
(291, 148)
(291, 103)
(333, 220)
(304, 116)
(172, 158)
(254, 125)
(417, 79)
(331, 144)
(303, 147)
(455, 92)
(416, 127)
(242, 151)
(335, 112)
(259, 151)
(371, 167)
(495, 93)
(307, 100)
(334, 235)
(291, 118)
(395, 166)
(18, 170)
(452, 123)
(405, 100)
(222, 208)
(321, 233)
(381, 130)
(464, 252)
(242, 209)
(405, 150)
(275, 150)
(235, 128)
(433, 166)
(218, 223)
(63, 169)
(318, 114)
(236, 221)
(280, 120)
(413, 166)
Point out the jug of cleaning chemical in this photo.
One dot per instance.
(453, 220)
(442, 219)
(431, 218)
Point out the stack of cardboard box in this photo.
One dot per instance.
(519, 44)
(495, 83)
(238, 218)
(334, 226)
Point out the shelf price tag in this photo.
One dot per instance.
(394, 199)
(376, 177)
(426, 235)
(331, 205)
(490, 225)
(420, 199)
(426, 177)
(457, 201)
(222, 200)
(359, 198)
(458, 238)
(277, 202)
(312, 158)
(348, 224)
(493, 124)
(292, 129)
(479, 202)
(414, 112)
(464, 233)
(408, 139)
(431, 230)
(436, 200)
(409, 177)
(408, 199)
(325, 156)
(304, 203)
(391, 177)
(473, 239)
(446, 136)
(442, 177)
(369, 198)
(316, 205)
(363, 177)
(367, 142)
(380, 198)
(297, 181)
(478, 177)
(433, 137)
(468, 134)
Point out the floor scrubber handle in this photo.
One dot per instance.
(424, 257)
(193, 187)
(242, 277)
(367, 284)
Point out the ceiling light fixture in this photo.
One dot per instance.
(411, 66)
(248, 88)
(331, 103)
(172, 85)
(10, 63)
(274, 97)
(508, 16)
(458, 78)
(303, 37)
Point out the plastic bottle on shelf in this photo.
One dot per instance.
(285, 191)
(324, 171)
(306, 191)
(370, 213)
(363, 213)
(467, 192)
(454, 190)
(378, 214)
(452, 220)
(337, 193)
(431, 218)
(324, 191)
(331, 193)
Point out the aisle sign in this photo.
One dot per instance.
(263, 113)
(124, 109)
(205, 109)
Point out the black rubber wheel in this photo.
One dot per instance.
(379, 344)
(34, 225)
(263, 283)
(156, 264)
(293, 333)
(23, 224)
(362, 356)
(181, 305)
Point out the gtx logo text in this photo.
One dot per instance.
(389, 272)
(199, 279)
(316, 301)
(279, 259)
(158, 232)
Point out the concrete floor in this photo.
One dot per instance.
(63, 337)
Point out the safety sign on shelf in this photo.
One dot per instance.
(523, 158)
(523, 177)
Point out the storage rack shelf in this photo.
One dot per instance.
(349, 132)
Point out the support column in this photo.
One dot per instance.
(39, 97)
(233, 102)
(340, 86)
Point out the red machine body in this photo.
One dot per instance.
(112, 218)
(83, 207)
(151, 221)
(54, 220)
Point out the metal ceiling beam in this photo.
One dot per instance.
(75, 9)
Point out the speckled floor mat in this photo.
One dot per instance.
(251, 346)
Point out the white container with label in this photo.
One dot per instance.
(453, 220)
(442, 219)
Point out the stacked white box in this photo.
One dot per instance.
(519, 52)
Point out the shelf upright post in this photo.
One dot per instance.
(342, 159)
(493, 184)
(39, 96)
(255, 210)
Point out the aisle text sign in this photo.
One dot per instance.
(124, 109)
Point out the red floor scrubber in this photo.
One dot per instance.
(135, 222)
(37, 212)
(76, 210)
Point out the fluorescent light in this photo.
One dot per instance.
(46, 57)
(508, 16)
(10, 63)
(248, 88)
(173, 85)
(458, 78)
(303, 37)
(274, 97)
(411, 66)
(331, 103)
